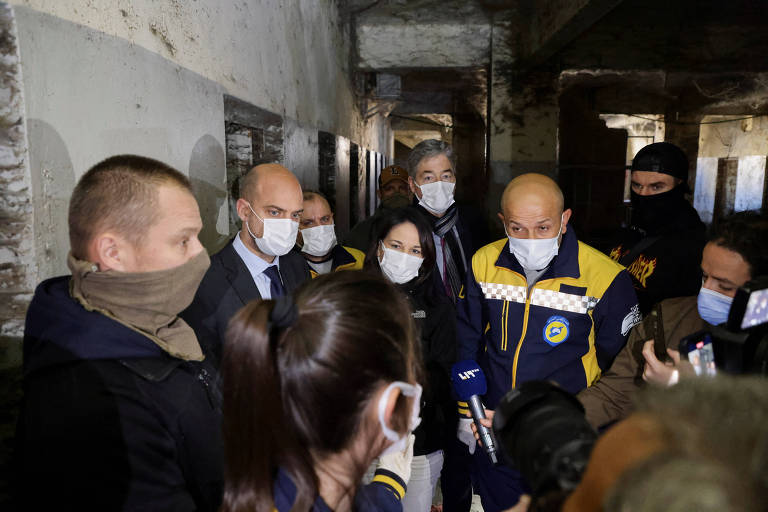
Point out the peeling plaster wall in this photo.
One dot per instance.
(91, 95)
(17, 249)
(706, 187)
(300, 145)
(743, 139)
(287, 57)
(750, 182)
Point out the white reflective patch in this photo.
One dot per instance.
(503, 292)
(419, 313)
(632, 319)
(552, 299)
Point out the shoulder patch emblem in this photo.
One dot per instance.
(419, 313)
(632, 319)
(556, 330)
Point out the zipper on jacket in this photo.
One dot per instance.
(504, 323)
(520, 343)
(526, 314)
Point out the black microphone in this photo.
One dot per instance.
(469, 383)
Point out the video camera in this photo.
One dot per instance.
(740, 345)
(542, 430)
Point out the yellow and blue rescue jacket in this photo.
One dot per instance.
(569, 327)
(344, 258)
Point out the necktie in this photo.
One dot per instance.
(276, 288)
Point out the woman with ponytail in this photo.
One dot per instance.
(314, 391)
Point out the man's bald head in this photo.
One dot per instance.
(533, 187)
(532, 207)
(266, 176)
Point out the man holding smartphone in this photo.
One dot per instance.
(737, 251)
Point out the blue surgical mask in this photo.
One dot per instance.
(713, 307)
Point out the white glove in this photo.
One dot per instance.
(399, 462)
(465, 434)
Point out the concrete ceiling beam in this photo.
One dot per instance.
(422, 45)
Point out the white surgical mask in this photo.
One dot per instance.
(399, 267)
(437, 197)
(279, 235)
(409, 390)
(536, 253)
(318, 240)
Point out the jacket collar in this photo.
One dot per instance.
(565, 264)
(341, 257)
(284, 494)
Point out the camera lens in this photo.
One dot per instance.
(542, 431)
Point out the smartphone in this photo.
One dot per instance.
(700, 353)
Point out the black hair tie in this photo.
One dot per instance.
(284, 313)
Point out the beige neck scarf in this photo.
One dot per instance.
(147, 302)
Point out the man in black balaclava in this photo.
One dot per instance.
(662, 246)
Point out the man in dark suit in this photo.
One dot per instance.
(258, 263)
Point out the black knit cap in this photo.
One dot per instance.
(663, 157)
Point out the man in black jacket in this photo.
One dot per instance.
(662, 246)
(120, 409)
(259, 262)
(432, 179)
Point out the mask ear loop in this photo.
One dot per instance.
(409, 390)
(248, 227)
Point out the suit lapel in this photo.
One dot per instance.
(237, 274)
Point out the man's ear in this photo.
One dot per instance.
(503, 220)
(412, 187)
(242, 209)
(111, 252)
(566, 217)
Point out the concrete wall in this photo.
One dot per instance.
(731, 137)
(523, 124)
(706, 186)
(104, 77)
